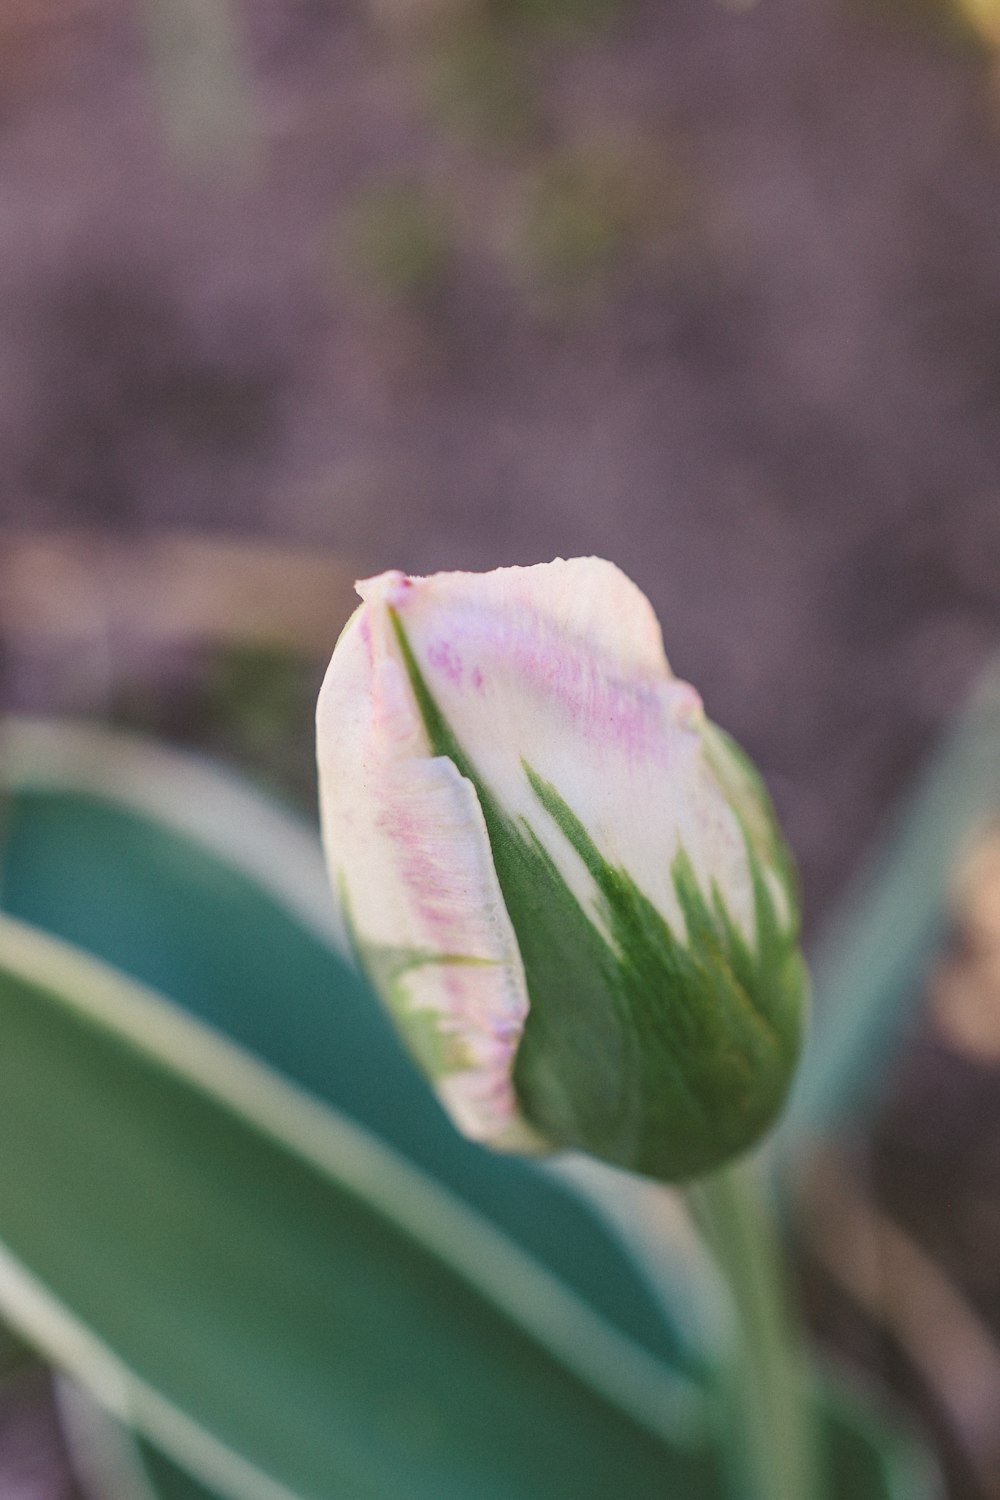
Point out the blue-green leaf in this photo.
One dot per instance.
(274, 1297)
(868, 969)
(189, 881)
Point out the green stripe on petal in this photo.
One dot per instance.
(744, 789)
(717, 1027)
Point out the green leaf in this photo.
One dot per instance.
(868, 971)
(199, 886)
(270, 1294)
(165, 1480)
(189, 881)
(870, 1454)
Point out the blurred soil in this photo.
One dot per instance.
(714, 292)
(33, 1465)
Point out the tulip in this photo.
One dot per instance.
(565, 882)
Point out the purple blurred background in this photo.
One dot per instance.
(439, 284)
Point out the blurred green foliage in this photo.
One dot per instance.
(575, 218)
(478, 83)
(565, 17)
(246, 703)
(395, 243)
(254, 702)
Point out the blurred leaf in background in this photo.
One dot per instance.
(870, 968)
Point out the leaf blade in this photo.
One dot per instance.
(198, 1291)
(165, 867)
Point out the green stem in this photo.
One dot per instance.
(764, 1392)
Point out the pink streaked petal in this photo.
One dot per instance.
(406, 840)
(561, 666)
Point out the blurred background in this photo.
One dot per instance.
(297, 290)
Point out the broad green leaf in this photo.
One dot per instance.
(870, 1454)
(270, 1294)
(868, 971)
(165, 1480)
(152, 818)
(192, 883)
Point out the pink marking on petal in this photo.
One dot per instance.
(634, 711)
(431, 887)
(446, 659)
(598, 704)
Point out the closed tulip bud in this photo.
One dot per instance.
(564, 881)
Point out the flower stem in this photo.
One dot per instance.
(764, 1391)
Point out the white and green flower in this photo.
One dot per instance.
(566, 883)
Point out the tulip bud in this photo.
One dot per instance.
(565, 882)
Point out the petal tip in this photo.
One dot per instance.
(390, 588)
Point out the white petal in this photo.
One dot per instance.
(407, 847)
(561, 666)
